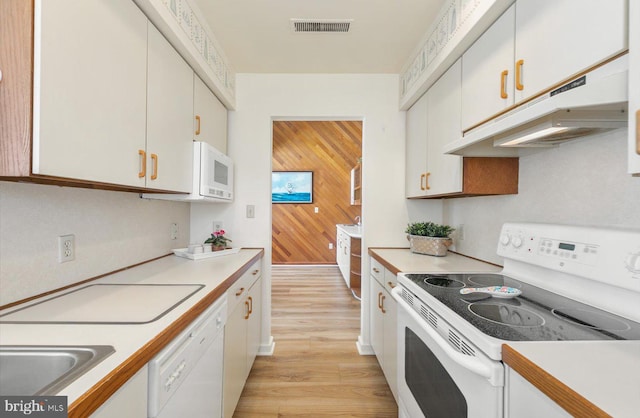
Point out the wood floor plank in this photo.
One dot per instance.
(315, 370)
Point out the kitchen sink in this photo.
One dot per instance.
(45, 370)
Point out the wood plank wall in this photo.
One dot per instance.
(330, 149)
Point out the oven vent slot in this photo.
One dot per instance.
(433, 320)
(407, 296)
(460, 345)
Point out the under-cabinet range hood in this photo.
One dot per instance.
(591, 103)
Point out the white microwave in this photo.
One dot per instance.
(212, 177)
(212, 172)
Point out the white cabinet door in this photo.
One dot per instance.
(129, 401)
(254, 323)
(444, 172)
(487, 72)
(557, 39)
(634, 87)
(89, 90)
(377, 320)
(416, 148)
(343, 255)
(210, 116)
(169, 117)
(390, 349)
(235, 357)
(525, 400)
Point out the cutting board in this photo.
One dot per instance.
(105, 304)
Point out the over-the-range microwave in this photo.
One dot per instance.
(212, 177)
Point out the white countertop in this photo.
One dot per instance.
(354, 231)
(606, 373)
(403, 260)
(127, 339)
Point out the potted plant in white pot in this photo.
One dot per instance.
(429, 238)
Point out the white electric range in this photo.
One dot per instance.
(558, 283)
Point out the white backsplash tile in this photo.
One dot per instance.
(112, 230)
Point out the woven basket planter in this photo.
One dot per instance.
(429, 245)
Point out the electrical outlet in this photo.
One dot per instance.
(66, 248)
(331, 245)
(174, 231)
(217, 225)
(461, 232)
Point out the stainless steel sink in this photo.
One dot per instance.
(45, 370)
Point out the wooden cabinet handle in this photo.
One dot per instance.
(239, 292)
(519, 84)
(143, 163)
(154, 172)
(255, 272)
(197, 124)
(422, 177)
(375, 270)
(391, 285)
(246, 303)
(382, 304)
(427, 187)
(503, 84)
(638, 131)
(379, 300)
(250, 305)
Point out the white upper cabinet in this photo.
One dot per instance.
(169, 148)
(634, 87)
(433, 121)
(558, 39)
(487, 72)
(89, 90)
(416, 148)
(535, 46)
(444, 171)
(210, 117)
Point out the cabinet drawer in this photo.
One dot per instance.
(377, 270)
(238, 291)
(390, 280)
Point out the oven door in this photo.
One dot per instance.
(437, 380)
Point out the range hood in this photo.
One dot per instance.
(594, 102)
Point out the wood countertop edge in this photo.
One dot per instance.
(372, 252)
(571, 401)
(93, 398)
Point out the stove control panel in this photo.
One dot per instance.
(605, 255)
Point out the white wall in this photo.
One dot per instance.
(112, 230)
(583, 182)
(263, 98)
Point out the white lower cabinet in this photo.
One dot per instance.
(523, 400)
(343, 254)
(241, 335)
(130, 401)
(383, 322)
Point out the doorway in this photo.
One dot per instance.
(305, 233)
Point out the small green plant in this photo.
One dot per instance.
(429, 229)
(218, 239)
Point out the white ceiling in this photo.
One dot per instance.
(256, 35)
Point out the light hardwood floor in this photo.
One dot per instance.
(316, 370)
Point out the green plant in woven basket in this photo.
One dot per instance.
(429, 229)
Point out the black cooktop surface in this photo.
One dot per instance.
(535, 315)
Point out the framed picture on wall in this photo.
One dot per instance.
(292, 187)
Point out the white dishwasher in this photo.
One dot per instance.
(185, 378)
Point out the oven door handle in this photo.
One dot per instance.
(470, 363)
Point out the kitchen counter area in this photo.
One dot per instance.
(586, 378)
(134, 343)
(403, 260)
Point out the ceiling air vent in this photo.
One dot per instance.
(321, 25)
